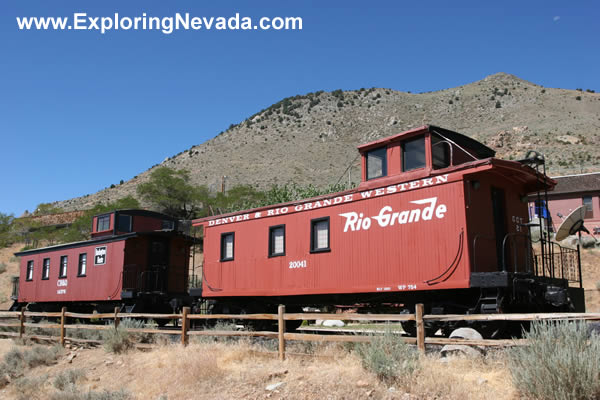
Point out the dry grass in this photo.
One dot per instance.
(243, 371)
(463, 378)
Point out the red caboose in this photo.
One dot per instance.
(135, 259)
(436, 219)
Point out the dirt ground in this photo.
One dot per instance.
(239, 371)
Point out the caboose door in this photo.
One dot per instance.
(158, 263)
(499, 214)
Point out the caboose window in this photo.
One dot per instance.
(227, 240)
(167, 225)
(124, 223)
(63, 267)
(277, 241)
(29, 276)
(82, 264)
(377, 163)
(440, 152)
(103, 223)
(46, 269)
(413, 154)
(319, 236)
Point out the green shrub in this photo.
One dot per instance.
(120, 340)
(89, 334)
(41, 355)
(2, 268)
(67, 378)
(562, 361)
(389, 358)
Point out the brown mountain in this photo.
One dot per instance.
(312, 138)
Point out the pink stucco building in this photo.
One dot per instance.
(571, 192)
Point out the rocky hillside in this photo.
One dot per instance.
(312, 138)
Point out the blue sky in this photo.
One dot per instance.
(80, 110)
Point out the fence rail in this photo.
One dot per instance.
(185, 318)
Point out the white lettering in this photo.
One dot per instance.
(439, 212)
(351, 219)
(357, 221)
(441, 178)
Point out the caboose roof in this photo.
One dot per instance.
(480, 150)
(135, 211)
(93, 242)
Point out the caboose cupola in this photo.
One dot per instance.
(417, 153)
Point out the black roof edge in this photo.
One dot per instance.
(102, 240)
(137, 211)
(78, 244)
(481, 150)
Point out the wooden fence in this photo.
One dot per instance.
(186, 317)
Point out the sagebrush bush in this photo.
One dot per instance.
(75, 393)
(89, 334)
(28, 388)
(16, 361)
(389, 358)
(2, 268)
(120, 340)
(562, 361)
(41, 355)
(67, 378)
(217, 326)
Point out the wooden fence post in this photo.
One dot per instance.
(184, 326)
(420, 328)
(281, 331)
(22, 321)
(62, 326)
(117, 319)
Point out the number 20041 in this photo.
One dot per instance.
(298, 264)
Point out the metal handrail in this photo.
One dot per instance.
(538, 264)
(515, 254)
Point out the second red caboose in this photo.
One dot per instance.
(136, 260)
